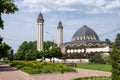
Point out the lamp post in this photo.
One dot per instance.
(51, 36)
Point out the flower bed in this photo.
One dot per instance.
(34, 67)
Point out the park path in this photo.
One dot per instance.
(70, 75)
(9, 73)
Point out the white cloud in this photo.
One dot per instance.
(91, 6)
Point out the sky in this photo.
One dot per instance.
(103, 16)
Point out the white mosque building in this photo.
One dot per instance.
(85, 41)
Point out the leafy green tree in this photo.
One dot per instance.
(26, 46)
(47, 54)
(108, 42)
(32, 45)
(56, 52)
(49, 44)
(117, 41)
(115, 58)
(32, 55)
(6, 7)
(19, 56)
(115, 62)
(39, 54)
(4, 50)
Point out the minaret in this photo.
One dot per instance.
(59, 34)
(40, 22)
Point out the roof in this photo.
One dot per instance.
(40, 18)
(85, 43)
(60, 25)
(85, 36)
(85, 33)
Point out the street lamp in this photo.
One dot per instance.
(51, 36)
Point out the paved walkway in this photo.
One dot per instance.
(8, 73)
(70, 76)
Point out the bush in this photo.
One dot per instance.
(97, 58)
(40, 67)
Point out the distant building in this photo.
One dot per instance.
(85, 43)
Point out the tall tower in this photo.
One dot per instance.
(60, 33)
(40, 22)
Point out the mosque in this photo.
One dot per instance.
(85, 41)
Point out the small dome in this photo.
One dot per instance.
(85, 33)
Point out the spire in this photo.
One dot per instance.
(60, 25)
(40, 18)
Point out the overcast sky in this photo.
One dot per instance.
(103, 16)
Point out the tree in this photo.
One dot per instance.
(115, 62)
(47, 54)
(26, 46)
(4, 50)
(31, 55)
(115, 58)
(32, 45)
(6, 7)
(108, 42)
(19, 56)
(117, 41)
(56, 52)
(49, 44)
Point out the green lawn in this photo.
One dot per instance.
(101, 67)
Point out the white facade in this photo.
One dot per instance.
(40, 37)
(60, 36)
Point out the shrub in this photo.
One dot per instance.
(97, 58)
(32, 67)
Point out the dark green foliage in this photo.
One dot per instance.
(4, 49)
(31, 55)
(52, 52)
(56, 52)
(29, 49)
(115, 58)
(108, 42)
(117, 41)
(26, 46)
(115, 62)
(19, 56)
(97, 58)
(6, 7)
(32, 45)
(49, 44)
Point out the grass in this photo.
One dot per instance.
(101, 67)
(94, 78)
